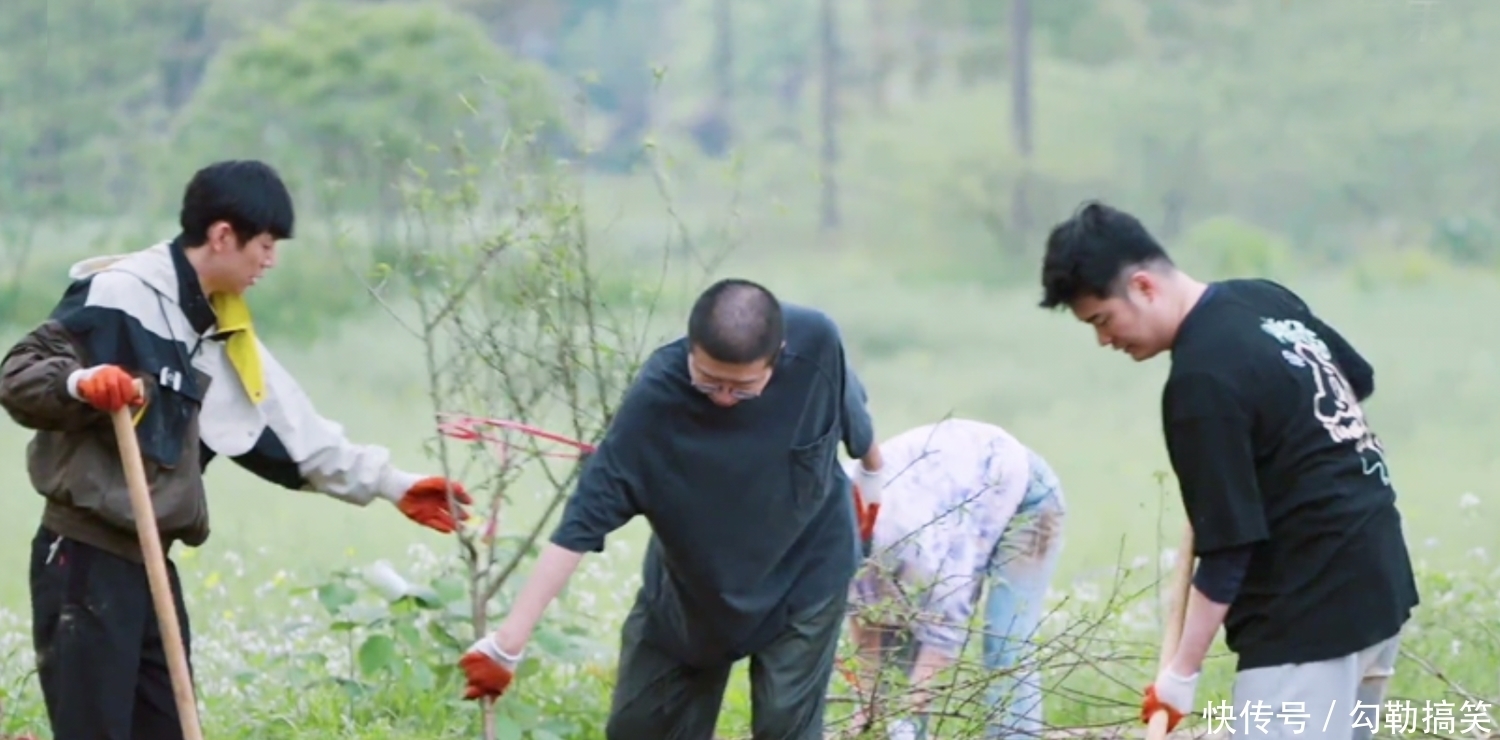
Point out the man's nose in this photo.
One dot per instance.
(1104, 339)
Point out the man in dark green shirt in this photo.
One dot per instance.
(727, 443)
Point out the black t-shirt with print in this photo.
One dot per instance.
(1265, 432)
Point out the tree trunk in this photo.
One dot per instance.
(1020, 89)
(925, 46)
(884, 62)
(715, 130)
(724, 56)
(186, 59)
(828, 35)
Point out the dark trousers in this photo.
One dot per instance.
(99, 652)
(658, 697)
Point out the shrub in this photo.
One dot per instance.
(1224, 247)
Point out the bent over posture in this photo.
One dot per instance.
(1294, 518)
(171, 316)
(965, 506)
(727, 443)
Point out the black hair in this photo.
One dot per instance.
(737, 322)
(1089, 253)
(248, 194)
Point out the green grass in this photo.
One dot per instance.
(934, 324)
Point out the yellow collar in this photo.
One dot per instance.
(242, 348)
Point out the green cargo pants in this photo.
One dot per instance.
(658, 697)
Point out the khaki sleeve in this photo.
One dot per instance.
(34, 382)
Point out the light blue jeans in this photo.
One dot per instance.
(1021, 568)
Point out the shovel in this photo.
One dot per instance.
(1182, 578)
(156, 570)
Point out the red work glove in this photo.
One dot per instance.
(1151, 704)
(489, 669)
(867, 516)
(105, 387)
(426, 503)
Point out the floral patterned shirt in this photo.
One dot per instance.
(951, 489)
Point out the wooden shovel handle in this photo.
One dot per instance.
(1182, 578)
(156, 569)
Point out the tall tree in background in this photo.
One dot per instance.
(1020, 91)
(715, 129)
(186, 56)
(828, 43)
(724, 57)
(80, 87)
(923, 38)
(883, 52)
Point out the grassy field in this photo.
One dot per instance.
(931, 335)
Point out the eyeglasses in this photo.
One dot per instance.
(735, 393)
(710, 389)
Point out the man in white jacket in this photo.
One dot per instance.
(964, 505)
(171, 318)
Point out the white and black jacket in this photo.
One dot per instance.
(145, 312)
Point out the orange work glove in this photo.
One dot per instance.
(426, 503)
(105, 387)
(867, 515)
(1151, 704)
(489, 669)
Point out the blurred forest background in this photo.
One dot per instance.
(896, 163)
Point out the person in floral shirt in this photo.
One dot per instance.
(966, 507)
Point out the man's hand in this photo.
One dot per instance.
(488, 668)
(1172, 693)
(867, 514)
(105, 387)
(869, 485)
(426, 503)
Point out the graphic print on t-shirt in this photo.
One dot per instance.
(1334, 402)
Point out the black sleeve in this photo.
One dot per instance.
(1221, 572)
(1208, 434)
(607, 495)
(1356, 369)
(859, 429)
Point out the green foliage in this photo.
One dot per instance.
(610, 48)
(405, 637)
(1467, 241)
(346, 95)
(1086, 31)
(1225, 247)
(1378, 269)
(79, 82)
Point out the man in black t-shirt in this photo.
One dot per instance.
(727, 444)
(1302, 558)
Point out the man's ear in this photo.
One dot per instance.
(1144, 284)
(220, 235)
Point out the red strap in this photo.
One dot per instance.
(468, 428)
(472, 429)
